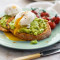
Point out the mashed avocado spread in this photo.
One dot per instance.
(11, 24)
(3, 21)
(37, 26)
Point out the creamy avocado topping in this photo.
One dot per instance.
(11, 24)
(4, 20)
(37, 26)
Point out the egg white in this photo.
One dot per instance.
(27, 18)
(9, 10)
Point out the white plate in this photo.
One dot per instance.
(44, 5)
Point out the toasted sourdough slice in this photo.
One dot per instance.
(25, 36)
(29, 37)
(4, 29)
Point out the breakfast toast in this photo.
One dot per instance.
(25, 36)
(4, 29)
(29, 37)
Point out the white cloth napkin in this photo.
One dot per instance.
(55, 7)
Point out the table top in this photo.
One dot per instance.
(9, 54)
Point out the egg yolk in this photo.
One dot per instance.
(12, 37)
(17, 24)
(13, 7)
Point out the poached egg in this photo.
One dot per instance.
(12, 10)
(23, 18)
(27, 18)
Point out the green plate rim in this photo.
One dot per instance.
(30, 49)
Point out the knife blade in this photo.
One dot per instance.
(50, 52)
(41, 54)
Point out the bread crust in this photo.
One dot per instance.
(4, 29)
(29, 37)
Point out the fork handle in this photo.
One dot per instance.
(29, 57)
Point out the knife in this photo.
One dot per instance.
(41, 54)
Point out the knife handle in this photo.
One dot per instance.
(29, 57)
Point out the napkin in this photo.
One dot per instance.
(55, 7)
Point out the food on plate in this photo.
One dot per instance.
(25, 17)
(33, 10)
(26, 26)
(37, 15)
(4, 23)
(12, 10)
(52, 24)
(47, 18)
(12, 37)
(29, 27)
(44, 13)
(10, 13)
(56, 19)
(34, 42)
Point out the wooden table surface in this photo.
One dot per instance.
(9, 54)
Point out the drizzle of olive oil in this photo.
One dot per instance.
(12, 37)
